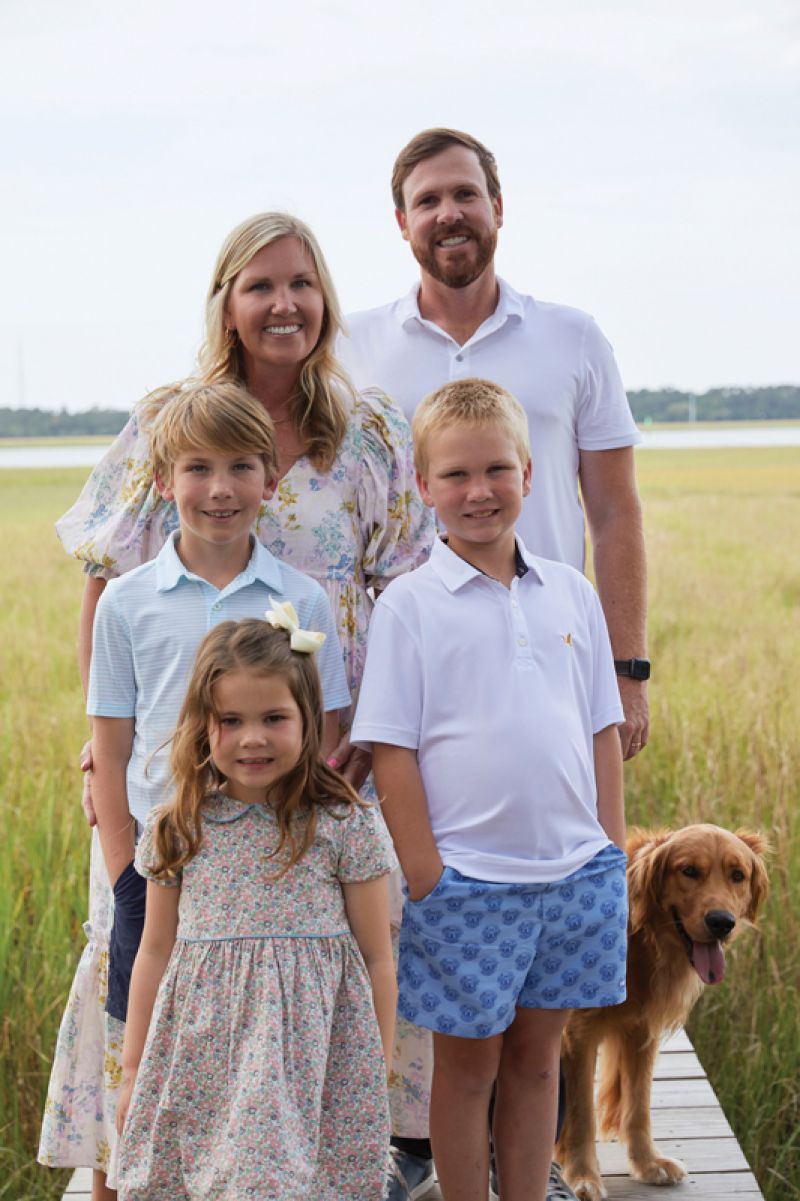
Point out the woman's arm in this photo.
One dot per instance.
(158, 939)
(367, 905)
(610, 788)
(405, 810)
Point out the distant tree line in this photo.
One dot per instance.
(45, 423)
(718, 404)
(665, 404)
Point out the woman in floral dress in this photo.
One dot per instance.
(346, 512)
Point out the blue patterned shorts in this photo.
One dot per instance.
(471, 952)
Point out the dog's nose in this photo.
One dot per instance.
(719, 922)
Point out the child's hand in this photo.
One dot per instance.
(125, 1091)
(424, 882)
(87, 763)
(351, 761)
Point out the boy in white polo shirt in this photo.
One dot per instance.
(498, 761)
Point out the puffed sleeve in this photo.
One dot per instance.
(367, 850)
(146, 856)
(119, 520)
(397, 529)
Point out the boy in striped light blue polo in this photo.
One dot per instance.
(213, 448)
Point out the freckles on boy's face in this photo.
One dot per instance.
(475, 481)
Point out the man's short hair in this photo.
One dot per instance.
(431, 142)
(219, 416)
(476, 402)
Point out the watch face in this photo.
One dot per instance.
(634, 669)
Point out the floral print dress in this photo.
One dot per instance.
(353, 529)
(263, 1074)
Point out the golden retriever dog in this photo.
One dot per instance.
(689, 892)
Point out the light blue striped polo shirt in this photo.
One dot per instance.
(147, 628)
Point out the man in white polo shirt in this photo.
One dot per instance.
(462, 321)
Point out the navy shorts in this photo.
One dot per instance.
(471, 952)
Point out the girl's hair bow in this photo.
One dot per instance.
(283, 616)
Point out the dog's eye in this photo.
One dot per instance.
(737, 875)
(692, 872)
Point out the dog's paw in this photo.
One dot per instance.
(588, 1188)
(659, 1170)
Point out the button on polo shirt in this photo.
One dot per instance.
(500, 691)
(556, 362)
(148, 625)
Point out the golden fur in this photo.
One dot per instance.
(701, 874)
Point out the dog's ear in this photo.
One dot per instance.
(759, 881)
(647, 860)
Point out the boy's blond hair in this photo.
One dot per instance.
(220, 416)
(475, 402)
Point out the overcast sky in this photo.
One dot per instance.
(648, 154)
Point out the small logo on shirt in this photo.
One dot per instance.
(567, 639)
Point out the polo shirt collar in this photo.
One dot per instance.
(263, 566)
(509, 306)
(455, 572)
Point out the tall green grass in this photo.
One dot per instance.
(722, 532)
(723, 528)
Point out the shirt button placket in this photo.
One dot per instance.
(459, 365)
(518, 623)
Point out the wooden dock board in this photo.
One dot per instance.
(688, 1124)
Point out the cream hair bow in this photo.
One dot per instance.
(283, 616)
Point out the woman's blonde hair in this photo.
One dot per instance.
(253, 646)
(318, 408)
(220, 416)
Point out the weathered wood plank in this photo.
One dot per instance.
(697, 1187)
(80, 1185)
(679, 1041)
(678, 1065)
(705, 1122)
(682, 1094)
(697, 1155)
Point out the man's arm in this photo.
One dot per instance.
(405, 810)
(614, 515)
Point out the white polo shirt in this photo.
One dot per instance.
(555, 361)
(500, 691)
(148, 625)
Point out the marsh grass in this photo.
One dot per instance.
(722, 529)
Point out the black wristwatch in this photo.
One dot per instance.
(635, 669)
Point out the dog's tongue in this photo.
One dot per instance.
(708, 959)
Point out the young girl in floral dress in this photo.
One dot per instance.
(252, 1062)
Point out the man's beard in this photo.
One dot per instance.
(462, 270)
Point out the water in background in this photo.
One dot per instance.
(663, 439)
